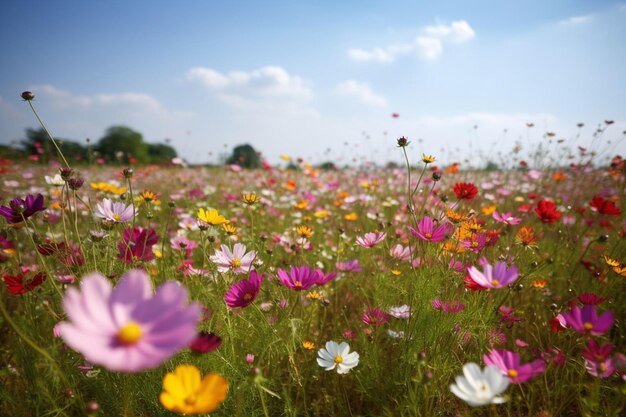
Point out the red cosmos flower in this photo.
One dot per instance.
(547, 212)
(17, 284)
(603, 206)
(465, 190)
(205, 342)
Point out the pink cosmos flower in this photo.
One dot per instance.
(326, 278)
(506, 218)
(400, 253)
(116, 212)
(299, 278)
(127, 328)
(237, 261)
(181, 243)
(598, 361)
(493, 277)
(244, 292)
(375, 316)
(136, 245)
(510, 365)
(585, 320)
(349, 266)
(370, 239)
(426, 230)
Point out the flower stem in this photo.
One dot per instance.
(30, 103)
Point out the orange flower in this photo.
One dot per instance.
(525, 236)
(558, 176)
(540, 283)
(351, 217)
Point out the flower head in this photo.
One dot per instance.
(375, 316)
(337, 356)
(506, 218)
(237, 261)
(127, 328)
(465, 190)
(300, 277)
(603, 206)
(205, 342)
(20, 209)
(136, 245)
(547, 211)
(244, 292)
(426, 230)
(493, 277)
(510, 365)
(116, 212)
(370, 239)
(477, 388)
(211, 217)
(186, 392)
(585, 320)
(598, 360)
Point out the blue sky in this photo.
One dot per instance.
(318, 79)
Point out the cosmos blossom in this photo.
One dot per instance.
(237, 260)
(510, 365)
(22, 208)
(585, 320)
(244, 292)
(116, 212)
(547, 211)
(128, 328)
(465, 190)
(370, 239)
(136, 245)
(498, 276)
(477, 387)
(427, 231)
(506, 218)
(185, 391)
(300, 277)
(337, 356)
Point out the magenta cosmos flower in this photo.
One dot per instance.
(426, 230)
(127, 328)
(300, 277)
(237, 261)
(136, 245)
(370, 239)
(585, 320)
(116, 212)
(506, 218)
(493, 277)
(375, 316)
(510, 364)
(244, 292)
(20, 209)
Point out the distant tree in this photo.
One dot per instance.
(491, 166)
(161, 153)
(37, 142)
(121, 143)
(245, 156)
(327, 166)
(9, 152)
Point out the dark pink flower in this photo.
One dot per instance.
(598, 361)
(349, 266)
(375, 316)
(585, 320)
(20, 209)
(511, 367)
(136, 245)
(299, 278)
(205, 342)
(244, 292)
(426, 230)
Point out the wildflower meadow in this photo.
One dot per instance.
(416, 290)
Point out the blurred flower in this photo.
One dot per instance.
(211, 217)
(337, 356)
(493, 277)
(375, 317)
(186, 392)
(370, 239)
(400, 312)
(598, 361)
(299, 278)
(400, 253)
(56, 180)
(506, 218)
(126, 328)
(465, 190)
(510, 365)
(7, 248)
(244, 292)
(181, 243)
(603, 206)
(20, 209)
(116, 212)
(136, 245)
(19, 284)
(205, 342)
(477, 388)
(585, 320)
(237, 261)
(349, 266)
(525, 236)
(547, 211)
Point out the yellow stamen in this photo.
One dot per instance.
(129, 334)
(116, 217)
(338, 359)
(235, 263)
(495, 282)
(588, 326)
(512, 373)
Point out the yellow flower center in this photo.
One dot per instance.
(191, 399)
(512, 373)
(116, 216)
(247, 296)
(338, 359)
(297, 284)
(129, 334)
(588, 326)
(235, 263)
(495, 282)
(428, 235)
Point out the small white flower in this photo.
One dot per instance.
(480, 388)
(400, 312)
(56, 180)
(337, 356)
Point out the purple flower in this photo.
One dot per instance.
(116, 212)
(510, 365)
(493, 277)
(127, 328)
(598, 361)
(375, 316)
(237, 261)
(136, 245)
(20, 209)
(585, 320)
(244, 292)
(300, 278)
(370, 239)
(426, 230)
(506, 218)
(181, 243)
(326, 278)
(349, 266)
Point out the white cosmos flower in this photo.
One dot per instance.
(479, 388)
(56, 180)
(337, 356)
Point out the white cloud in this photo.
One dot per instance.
(575, 20)
(361, 92)
(428, 46)
(265, 82)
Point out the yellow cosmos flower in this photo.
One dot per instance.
(250, 199)
(147, 196)
(455, 217)
(351, 217)
(428, 159)
(107, 188)
(186, 392)
(611, 262)
(322, 214)
(285, 158)
(488, 210)
(229, 229)
(540, 283)
(211, 217)
(395, 272)
(308, 345)
(304, 231)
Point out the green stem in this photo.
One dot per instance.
(30, 103)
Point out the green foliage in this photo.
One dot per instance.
(121, 144)
(37, 142)
(245, 156)
(161, 153)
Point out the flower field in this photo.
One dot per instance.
(421, 290)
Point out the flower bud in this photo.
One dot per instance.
(403, 142)
(75, 183)
(28, 96)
